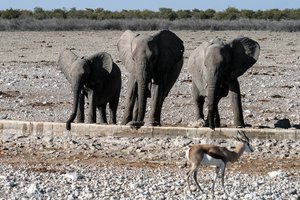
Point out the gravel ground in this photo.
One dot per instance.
(68, 167)
(138, 168)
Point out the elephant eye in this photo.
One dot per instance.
(132, 57)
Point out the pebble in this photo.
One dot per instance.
(73, 176)
(277, 174)
(33, 189)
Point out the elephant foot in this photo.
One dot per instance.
(112, 122)
(68, 126)
(125, 121)
(240, 126)
(154, 123)
(136, 124)
(102, 123)
(198, 123)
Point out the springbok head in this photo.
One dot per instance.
(242, 137)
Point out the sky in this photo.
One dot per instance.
(117, 5)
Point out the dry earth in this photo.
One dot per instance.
(32, 88)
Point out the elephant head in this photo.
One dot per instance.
(84, 74)
(215, 67)
(149, 59)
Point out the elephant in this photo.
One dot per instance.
(153, 63)
(96, 77)
(215, 67)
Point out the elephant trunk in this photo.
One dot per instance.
(212, 104)
(77, 87)
(142, 81)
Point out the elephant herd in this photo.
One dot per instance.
(153, 63)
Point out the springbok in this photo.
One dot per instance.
(211, 155)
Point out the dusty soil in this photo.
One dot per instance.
(32, 87)
(48, 153)
(256, 166)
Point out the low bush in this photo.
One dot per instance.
(69, 24)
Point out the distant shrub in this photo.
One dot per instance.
(69, 24)
(230, 13)
(10, 14)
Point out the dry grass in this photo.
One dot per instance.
(31, 24)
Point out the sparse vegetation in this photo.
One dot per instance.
(166, 18)
(30, 24)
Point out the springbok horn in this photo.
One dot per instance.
(245, 136)
(236, 138)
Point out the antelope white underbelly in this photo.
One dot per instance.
(208, 160)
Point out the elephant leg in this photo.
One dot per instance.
(113, 107)
(135, 110)
(198, 101)
(158, 113)
(217, 119)
(102, 111)
(92, 107)
(236, 103)
(130, 100)
(217, 115)
(156, 104)
(160, 90)
(80, 113)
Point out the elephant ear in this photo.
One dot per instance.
(102, 58)
(66, 58)
(196, 66)
(124, 48)
(196, 59)
(245, 53)
(170, 48)
(107, 62)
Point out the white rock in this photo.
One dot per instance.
(73, 176)
(276, 173)
(2, 177)
(33, 189)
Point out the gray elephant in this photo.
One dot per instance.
(98, 78)
(215, 67)
(153, 63)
